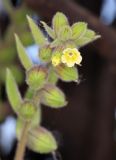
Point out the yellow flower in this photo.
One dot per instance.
(71, 56)
(56, 60)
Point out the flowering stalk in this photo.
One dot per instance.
(22, 143)
(60, 57)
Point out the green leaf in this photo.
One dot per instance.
(90, 33)
(49, 30)
(25, 60)
(65, 33)
(38, 36)
(12, 91)
(59, 20)
(78, 29)
(89, 37)
(83, 41)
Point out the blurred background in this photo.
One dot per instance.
(86, 128)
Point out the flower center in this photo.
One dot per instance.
(70, 54)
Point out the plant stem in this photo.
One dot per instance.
(54, 156)
(22, 143)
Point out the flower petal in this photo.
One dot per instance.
(70, 64)
(63, 59)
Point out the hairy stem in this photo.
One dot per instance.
(22, 143)
(54, 156)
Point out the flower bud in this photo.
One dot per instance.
(67, 74)
(36, 120)
(27, 110)
(36, 77)
(45, 53)
(53, 96)
(41, 140)
(56, 57)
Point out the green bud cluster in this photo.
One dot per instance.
(42, 79)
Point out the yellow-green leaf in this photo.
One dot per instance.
(38, 36)
(59, 20)
(25, 60)
(12, 91)
(86, 40)
(89, 33)
(78, 29)
(49, 30)
(65, 33)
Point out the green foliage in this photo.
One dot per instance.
(65, 33)
(49, 30)
(38, 36)
(25, 60)
(87, 38)
(78, 29)
(12, 91)
(59, 20)
(8, 57)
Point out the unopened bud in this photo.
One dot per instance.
(45, 53)
(56, 57)
(27, 110)
(36, 77)
(36, 120)
(41, 140)
(67, 74)
(53, 96)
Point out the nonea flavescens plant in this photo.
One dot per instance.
(59, 51)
